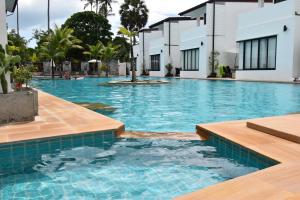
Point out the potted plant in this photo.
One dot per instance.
(169, 68)
(213, 63)
(20, 105)
(22, 75)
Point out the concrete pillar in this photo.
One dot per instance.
(3, 31)
(261, 3)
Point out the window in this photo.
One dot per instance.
(258, 54)
(190, 61)
(155, 62)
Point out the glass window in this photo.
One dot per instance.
(190, 60)
(241, 55)
(254, 55)
(263, 48)
(155, 62)
(271, 53)
(258, 53)
(247, 63)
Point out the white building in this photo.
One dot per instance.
(215, 29)
(159, 45)
(269, 42)
(5, 6)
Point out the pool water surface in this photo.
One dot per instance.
(100, 166)
(182, 104)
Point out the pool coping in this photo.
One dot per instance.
(281, 181)
(58, 117)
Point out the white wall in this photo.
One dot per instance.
(3, 38)
(144, 55)
(270, 21)
(156, 47)
(192, 39)
(226, 23)
(3, 33)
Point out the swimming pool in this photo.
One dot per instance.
(180, 105)
(100, 166)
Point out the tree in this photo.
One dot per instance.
(95, 52)
(17, 45)
(89, 27)
(134, 14)
(89, 3)
(130, 35)
(105, 7)
(124, 48)
(108, 53)
(57, 44)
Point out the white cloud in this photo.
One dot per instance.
(33, 13)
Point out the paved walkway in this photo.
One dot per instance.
(278, 182)
(58, 117)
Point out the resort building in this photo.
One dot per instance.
(214, 31)
(269, 42)
(159, 45)
(186, 41)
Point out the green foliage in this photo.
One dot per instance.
(169, 67)
(7, 64)
(214, 57)
(94, 51)
(89, 27)
(105, 8)
(123, 51)
(221, 70)
(134, 14)
(108, 53)
(58, 43)
(17, 45)
(22, 76)
(130, 35)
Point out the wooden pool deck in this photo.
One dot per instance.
(58, 117)
(272, 137)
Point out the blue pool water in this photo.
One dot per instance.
(99, 166)
(183, 103)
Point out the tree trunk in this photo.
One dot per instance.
(133, 78)
(52, 69)
(4, 83)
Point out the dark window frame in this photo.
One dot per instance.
(155, 62)
(185, 53)
(259, 57)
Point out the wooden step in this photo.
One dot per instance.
(285, 127)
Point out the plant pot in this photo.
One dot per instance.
(18, 106)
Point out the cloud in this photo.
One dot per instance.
(33, 13)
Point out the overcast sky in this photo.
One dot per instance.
(33, 13)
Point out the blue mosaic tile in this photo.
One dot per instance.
(242, 155)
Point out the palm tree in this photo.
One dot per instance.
(48, 15)
(108, 53)
(95, 52)
(130, 35)
(105, 7)
(134, 14)
(89, 3)
(57, 44)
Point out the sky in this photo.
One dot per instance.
(33, 13)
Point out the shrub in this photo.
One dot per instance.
(22, 76)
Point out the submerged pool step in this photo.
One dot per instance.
(160, 135)
(285, 127)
